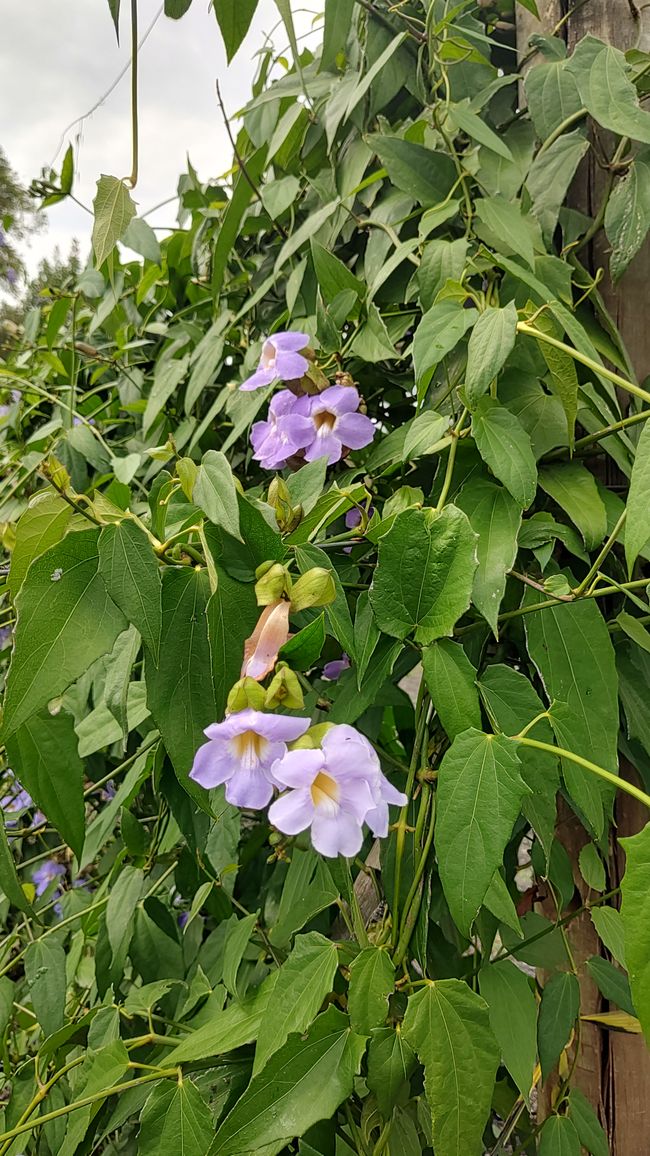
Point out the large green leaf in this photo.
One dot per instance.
(423, 580)
(512, 702)
(602, 75)
(557, 1014)
(180, 693)
(504, 444)
(303, 1082)
(131, 574)
(304, 980)
(439, 331)
(637, 529)
(562, 370)
(338, 18)
(587, 1124)
(232, 614)
(550, 176)
(337, 613)
(42, 525)
(167, 377)
(480, 790)
(215, 492)
(391, 1061)
(490, 344)
(574, 489)
(441, 261)
(552, 96)
(46, 983)
(426, 175)
(228, 1028)
(65, 620)
(113, 208)
(559, 1138)
(628, 214)
(635, 910)
(448, 1026)
(572, 650)
(176, 1120)
(43, 755)
(451, 682)
(234, 21)
(372, 979)
(513, 1019)
(495, 517)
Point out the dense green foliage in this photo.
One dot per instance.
(177, 976)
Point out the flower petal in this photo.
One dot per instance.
(259, 379)
(289, 342)
(261, 649)
(298, 768)
(293, 812)
(212, 765)
(336, 835)
(349, 754)
(289, 366)
(355, 430)
(249, 788)
(325, 445)
(279, 727)
(337, 399)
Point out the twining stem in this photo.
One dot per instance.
(615, 780)
(574, 118)
(600, 370)
(599, 435)
(133, 179)
(421, 711)
(587, 580)
(449, 472)
(414, 897)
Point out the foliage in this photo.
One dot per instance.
(465, 597)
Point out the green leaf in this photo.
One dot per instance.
(424, 576)
(101, 1069)
(120, 911)
(332, 275)
(303, 1082)
(480, 790)
(101, 827)
(227, 1028)
(391, 1060)
(441, 261)
(439, 331)
(571, 647)
(422, 173)
(448, 1026)
(496, 518)
(118, 675)
(559, 1138)
(539, 412)
(45, 974)
(176, 1120)
(366, 635)
(634, 630)
(500, 904)
(558, 1012)
(505, 446)
(635, 912)
(308, 889)
(338, 20)
(232, 615)
(627, 214)
(637, 528)
(337, 613)
(612, 983)
(562, 369)
(180, 693)
(490, 344)
(587, 1124)
(167, 377)
(42, 525)
(451, 682)
(609, 925)
(503, 224)
(131, 573)
(215, 492)
(303, 650)
(512, 702)
(65, 620)
(9, 883)
(43, 755)
(592, 867)
(513, 1019)
(550, 176)
(236, 945)
(602, 75)
(114, 9)
(304, 981)
(574, 488)
(421, 435)
(113, 209)
(241, 198)
(176, 8)
(372, 980)
(552, 95)
(471, 124)
(140, 237)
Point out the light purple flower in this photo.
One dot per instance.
(241, 751)
(46, 874)
(334, 669)
(16, 799)
(334, 790)
(11, 275)
(287, 430)
(281, 360)
(336, 424)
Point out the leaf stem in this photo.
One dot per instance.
(593, 571)
(449, 472)
(600, 370)
(608, 776)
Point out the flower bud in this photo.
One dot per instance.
(272, 583)
(284, 690)
(312, 738)
(314, 588)
(245, 693)
(58, 473)
(287, 516)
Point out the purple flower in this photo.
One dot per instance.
(182, 920)
(334, 790)
(281, 360)
(16, 799)
(336, 424)
(46, 874)
(287, 430)
(241, 753)
(11, 275)
(334, 669)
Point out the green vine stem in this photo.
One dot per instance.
(600, 370)
(615, 780)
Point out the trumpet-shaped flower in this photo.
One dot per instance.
(241, 752)
(262, 648)
(334, 790)
(334, 669)
(286, 431)
(336, 425)
(281, 360)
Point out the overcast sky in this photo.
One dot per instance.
(57, 58)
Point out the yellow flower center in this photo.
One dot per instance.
(325, 791)
(324, 421)
(249, 748)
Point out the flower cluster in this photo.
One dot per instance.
(333, 790)
(16, 800)
(281, 360)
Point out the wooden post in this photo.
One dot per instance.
(613, 1069)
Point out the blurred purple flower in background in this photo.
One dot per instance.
(281, 360)
(286, 430)
(46, 874)
(15, 798)
(334, 790)
(337, 425)
(334, 669)
(6, 634)
(11, 275)
(241, 752)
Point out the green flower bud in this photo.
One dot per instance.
(272, 584)
(314, 588)
(287, 516)
(312, 738)
(284, 690)
(246, 693)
